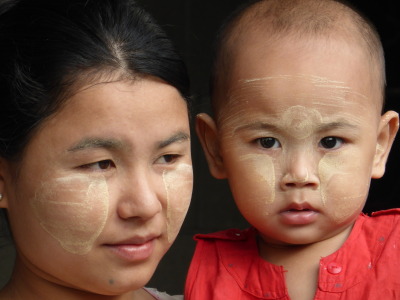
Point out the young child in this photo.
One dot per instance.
(297, 95)
(95, 164)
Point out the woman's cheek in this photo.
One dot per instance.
(178, 185)
(73, 210)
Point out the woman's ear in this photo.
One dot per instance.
(3, 193)
(388, 128)
(207, 133)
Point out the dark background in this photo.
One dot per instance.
(192, 25)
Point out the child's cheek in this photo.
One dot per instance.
(178, 187)
(260, 173)
(73, 210)
(342, 193)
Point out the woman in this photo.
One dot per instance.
(95, 166)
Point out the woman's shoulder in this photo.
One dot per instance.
(162, 296)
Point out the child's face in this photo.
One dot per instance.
(103, 187)
(299, 139)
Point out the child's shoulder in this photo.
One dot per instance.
(381, 223)
(232, 234)
(395, 212)
(230, 243)
(388, 216)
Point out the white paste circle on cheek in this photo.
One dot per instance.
(73, 210)
(178, 185)
(337, 179)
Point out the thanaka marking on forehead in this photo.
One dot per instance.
(335, 94)
(259, 125)
(317, 81)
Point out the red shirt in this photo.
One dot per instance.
(226, 265)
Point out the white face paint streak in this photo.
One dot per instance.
(264, 167)
(73, 210)
(328, 167)
(337, 91)
(332, 171)
(317, 81)
(178, 186)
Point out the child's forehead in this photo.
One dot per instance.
(298, 89)
(276, 96)
(332, 72)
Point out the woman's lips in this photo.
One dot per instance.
(133, 251)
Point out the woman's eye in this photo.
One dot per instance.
(167, 159)
(331, 142)
(99, 165)
(269, 142)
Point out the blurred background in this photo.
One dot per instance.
(192, 25)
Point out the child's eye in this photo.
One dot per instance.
(269, 142)
(331, 142)
(167, 159)
(99, 165)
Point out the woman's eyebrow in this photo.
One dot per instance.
(109, 143)
(176, 138)
(93, 142)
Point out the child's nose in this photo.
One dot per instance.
(299, 171)
(138, 198)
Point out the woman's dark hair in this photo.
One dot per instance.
(48, 47)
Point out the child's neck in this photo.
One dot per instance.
(301, 262)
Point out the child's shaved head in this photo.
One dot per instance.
(275, 20)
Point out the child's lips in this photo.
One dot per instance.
(299, 214)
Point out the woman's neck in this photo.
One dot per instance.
(26, 284)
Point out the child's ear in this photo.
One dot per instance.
(208, 135)
(387, 132)
(3, 194)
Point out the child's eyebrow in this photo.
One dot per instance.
(336, 125)
(272, 127)
(256, 126)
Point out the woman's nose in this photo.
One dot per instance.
(299, 170)
(139, 198)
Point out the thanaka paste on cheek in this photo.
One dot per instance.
(73, 210)
(336, 175)
(178, 185)
(263, 167)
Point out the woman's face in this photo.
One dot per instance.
(103, 187)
